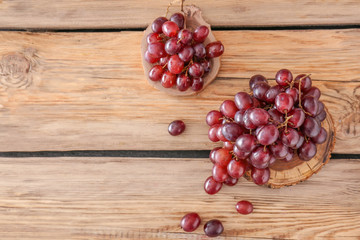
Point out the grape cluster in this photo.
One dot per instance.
(179, 56)
(273, 123)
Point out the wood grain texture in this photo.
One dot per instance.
(76, 14)
(87, 91)
(128, 198)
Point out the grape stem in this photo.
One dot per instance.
(284, 124)
(171, 3)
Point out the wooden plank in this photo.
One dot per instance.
(128, 198)
(79, 14)
(87, 91)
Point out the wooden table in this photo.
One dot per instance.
(77, 115)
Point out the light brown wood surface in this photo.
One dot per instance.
(129, 198)
(87, 91)
(90, 14)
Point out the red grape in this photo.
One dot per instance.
(231, 181)
(214, 117)
(311, 127)
(176, 127)
(156, 73)
(164, 60)
(260, 89)
(284, 102)
(213, 228)
(190, 222)
(238, 118)
(175, 65)
(157, 49)
(246, 143)
(321, 116)
(236, 169)
(246, 119)
(243, 101)
(289, 156)
(185, 36)
(200, 50)
(222, 157)
(214, 49)
(228, 145)
(294, 93)
(198, 84)
(244, 207)
(267, 134)
(321, 137)
(279, 150)
(276, 117)
(260, 176)
(271, 94)
(260, 157)
(305, 83)
(179, 19)
(219, 134)
(153, 37)
(321, 107)
(211, 186)
(307, 151)
(283, 77)
(259, 116)
(150, 58)
(183, 82)
(272, 160)
(206, 65)
(231, 131)
(156, 26)
(228, 108)
(172, 46)
(313, 91)
(212, 134)
(196, 70)
(241, 154)
(300, 142)
(310, 105)
(290, 137)
(170, 29)
(186, 53)
(168, 79)
(201, 33)
(256, 79)
(219, 173)
(297, 119)
(212, 154)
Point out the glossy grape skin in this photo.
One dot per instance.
(246, 119)
(206, 65)
(279, 150)
(183, 82)
(170, 29)
(179, 19)
(190, 222)
(168, 79)
(228, 108)
(212, 154)
(228, 145)
(246, 143)
(276, 117)
(256, 79)
(294, 93)
(200, 50)
(200, 33)
(260, 157)
(313, 91)
(219, 134)
(185, 36)
(321, 137)
(297, 119)
(244, 207)
(321, 107)
(272, 92)
(283, 77)
(307, 151)
(157, 49)
(153, 37)
(164, 60)
(156, 26)
(175, 65)
(211, 186)
(272, 160)
(290, 137)
(243, 101)
(311, 127)
(310, 105)
(213, 228)
(214, 49)
(212, 133)
(222, 157)
(231, 131)
(284, 103)
(268, 134)
(198, 84)
(260, 89)
(238, 118)
(259, 116)
(305, 83)
(260, 176)
(156, 73)
(290, 156)
(176, 127)
(321, 116)
(300, 142)
(172, 46)
(219, 173)
(186, 54)
(214, 117)
(231, 181)
(196, 70)
(241, 154)
(150, 58)
(236, 169)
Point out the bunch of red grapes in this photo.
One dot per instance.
(179, 55)
(273, 123)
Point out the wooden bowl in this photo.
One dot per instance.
(290, 173)
(193, 19)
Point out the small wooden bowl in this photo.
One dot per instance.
(193, 19)
(290, 173)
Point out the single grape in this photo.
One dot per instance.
(297, 119)
(289, 156)
(172, 46)
(219, 134)
(214, 117)
(310, 105)
(219, 172)
(305, 82)
(200, 50)
(156, 73)
(313, 91)
(150, 58)
(206, 65)
(176, 127)
(307, 151)
(190, 222)
(276, 117)
(294, 93)
(271, 94)
(267, 134)
(222, 157)
(179, 19)
(196, 70)
(260, 176)
(170, 29)
(228, 108)
(256, 79)
(157, 49)
(260, 157)
(290, 137)
(279, 150)
(259, 116)
(156, 26)
(153, 37)
(175, 65)
(201, 33)
(185, 36)
(228, 145)
(300, 142)
(321, 137)
(283, 77)
(246, 143)
(243, 101)
(186, 54)
(284, 102)
(311, 127)
(248, 124)
(241, 154)
(183, 82)
(321, 107)
(231, 131)
(231, 181)
(213, 228)
(321, 116)
(236, 169)
(214, 49)
(212, 134)
(244, 207)
(168, 79)
(198, 84)
(212, 154)
(238, 118)
(260, 89)
(211, 186)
